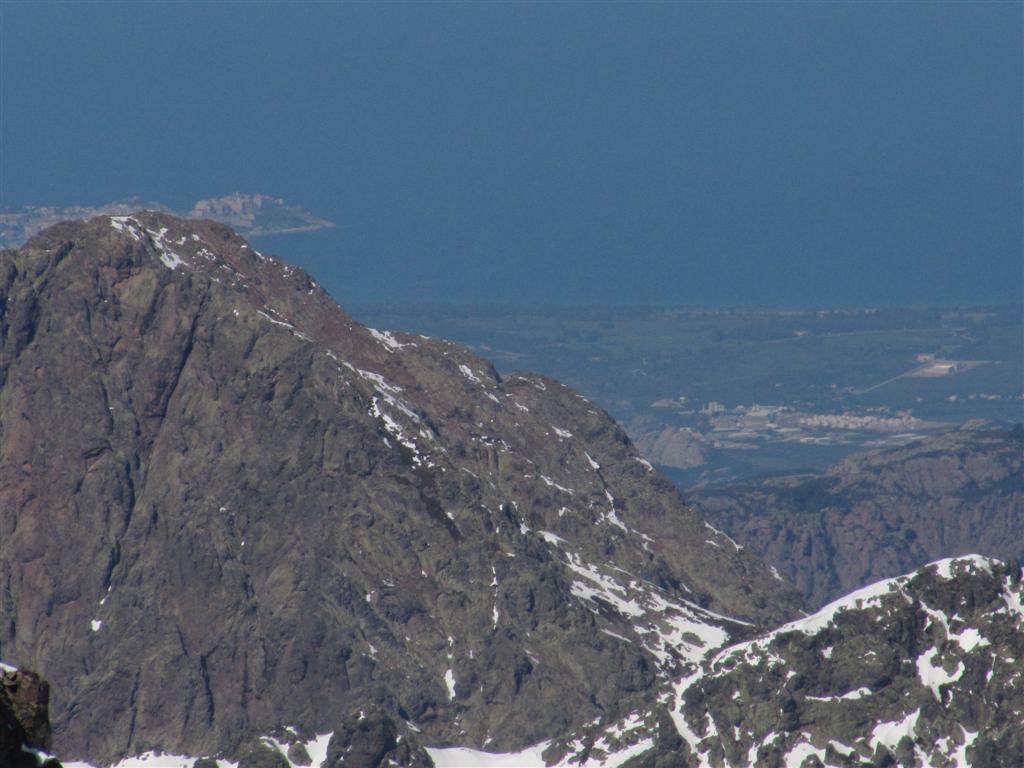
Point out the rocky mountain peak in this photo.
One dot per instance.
(215, 251)
(229, 508)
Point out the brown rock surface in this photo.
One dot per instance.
(225, 508)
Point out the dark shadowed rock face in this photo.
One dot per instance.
(226, 508)
(877, 515)
(24, 720)
(373, 740)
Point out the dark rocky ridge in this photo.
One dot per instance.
(880, 514)
(225, 507)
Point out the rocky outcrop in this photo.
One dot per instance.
(880, 514)
(676, 447)
(24, 720)
(374, 740)
(226, 509)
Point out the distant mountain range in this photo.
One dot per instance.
(253, 215)
(239, 527)
(878, 514)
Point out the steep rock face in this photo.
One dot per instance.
(877, 515)
(226, 508)
(24, 720)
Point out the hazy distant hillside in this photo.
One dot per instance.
(880, 514)
(251, 215)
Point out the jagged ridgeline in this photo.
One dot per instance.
(228, 511)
